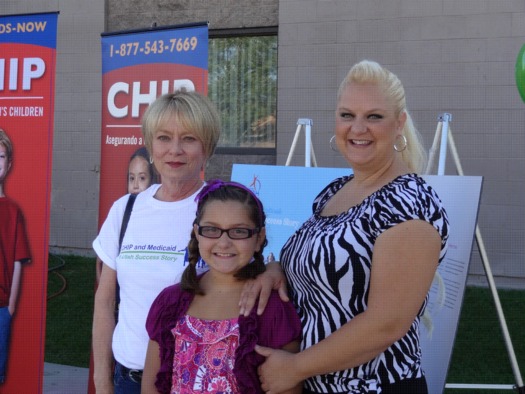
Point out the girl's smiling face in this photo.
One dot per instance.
(224, 255)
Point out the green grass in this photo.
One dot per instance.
(479, 354)
(69, 310)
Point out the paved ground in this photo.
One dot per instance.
(64, 379)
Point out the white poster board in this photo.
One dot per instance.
(287, 194)
(460, 196)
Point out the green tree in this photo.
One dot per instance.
(242, 82)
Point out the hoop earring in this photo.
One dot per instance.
(150, 160)
(405, 144)
(332, 144)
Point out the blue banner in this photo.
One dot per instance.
(34, 29)
(188, 46)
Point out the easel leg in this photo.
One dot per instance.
(433, 149)
(314, 160)
(309, 154)
(490, 279)
(479, 241)
(294, 143)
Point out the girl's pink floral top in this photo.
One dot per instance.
(204, 356)
(277, 326)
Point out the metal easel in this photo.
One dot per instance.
(443, 130)
(309, 154)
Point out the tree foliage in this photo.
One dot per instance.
(242, 82)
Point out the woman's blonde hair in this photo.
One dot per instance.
(195, 111)
(370, 72)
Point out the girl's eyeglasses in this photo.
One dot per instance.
(233, 233)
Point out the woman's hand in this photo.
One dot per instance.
(261, 288)
(105, 388)
(277, 373)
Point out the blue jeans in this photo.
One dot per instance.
(125, 382)
(5, 333)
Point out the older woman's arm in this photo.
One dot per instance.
(103, 327)
(151, 368)
(403, 266)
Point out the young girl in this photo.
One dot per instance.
(198, 341)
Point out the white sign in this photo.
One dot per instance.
(460, 196)
(287, 194)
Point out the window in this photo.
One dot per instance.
(242, 82)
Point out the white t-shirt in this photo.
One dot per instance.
(152, 257)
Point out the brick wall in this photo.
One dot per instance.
(452, 56)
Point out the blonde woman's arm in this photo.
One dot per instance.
(103, 327)
(261, 289)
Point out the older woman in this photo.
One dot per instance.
(181, 131)
(361, 267)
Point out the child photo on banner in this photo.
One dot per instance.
(27, 83)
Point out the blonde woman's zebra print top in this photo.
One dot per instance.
(327, 262)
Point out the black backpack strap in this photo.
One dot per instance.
(123, 227)
(125, 219)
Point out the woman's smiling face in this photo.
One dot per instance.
(178, 154)
(366, 127)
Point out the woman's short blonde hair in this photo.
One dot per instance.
(196, 113)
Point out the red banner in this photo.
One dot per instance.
(138, 67)
(27, 81)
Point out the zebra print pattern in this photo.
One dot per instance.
(328, 261)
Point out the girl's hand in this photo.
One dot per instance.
(277, 373)
(261, 288)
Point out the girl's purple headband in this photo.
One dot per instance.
(216, 184)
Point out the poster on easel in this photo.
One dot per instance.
(287, 194)
(137, 67)
(460, 196)
(27, 84)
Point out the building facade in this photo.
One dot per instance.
(454, 57)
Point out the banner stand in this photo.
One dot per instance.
(28, 49)
(445, 132)
(138, 66)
